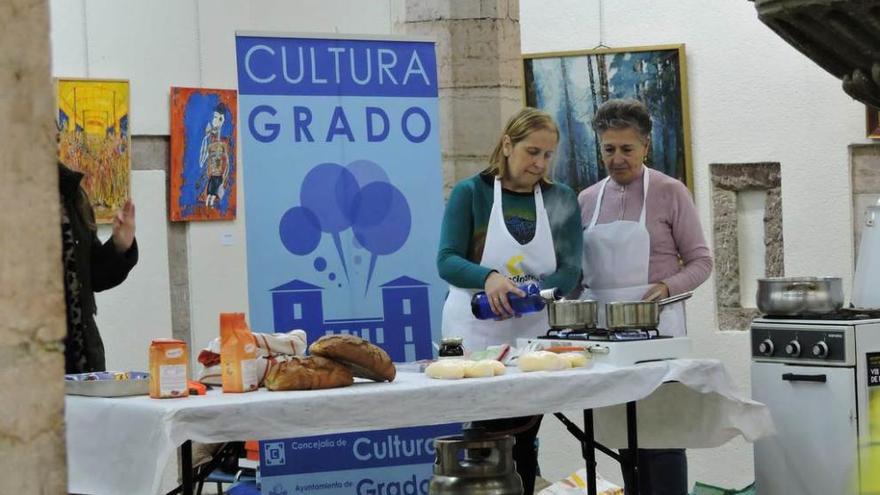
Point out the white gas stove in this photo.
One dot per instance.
(616, 348)
(820, 377)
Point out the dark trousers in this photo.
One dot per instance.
(661, 472)
(525, 454)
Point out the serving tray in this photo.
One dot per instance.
(108, 383)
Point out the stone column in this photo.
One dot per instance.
(32, 314)
(479, 70)
(728, 180)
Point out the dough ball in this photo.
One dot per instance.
(497, 367)
(576, 359)
(446, 369)
(542, 361)
(478, 369)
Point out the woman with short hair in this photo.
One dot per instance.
(642, 241)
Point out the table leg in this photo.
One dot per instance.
(632, 441)
(588, 446)
(629, 464)
(186, 467)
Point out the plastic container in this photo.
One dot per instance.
(535, 300)
(866, 279)
(169, 369)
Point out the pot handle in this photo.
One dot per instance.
(674, 299)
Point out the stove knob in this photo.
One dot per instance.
(820, 350)
(793, 348)
(766, 347)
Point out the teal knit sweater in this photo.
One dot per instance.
(466, 220)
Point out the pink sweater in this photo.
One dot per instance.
(672, 223)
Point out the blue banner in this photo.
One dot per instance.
(366, 463)
(343, 190)
(361, 450)
(343, 203)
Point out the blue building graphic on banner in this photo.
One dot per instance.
(403, 330)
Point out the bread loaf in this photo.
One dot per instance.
(307, 373)
(364, 359)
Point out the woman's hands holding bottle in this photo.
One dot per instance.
(497, 287)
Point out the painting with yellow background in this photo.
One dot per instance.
(94, 138)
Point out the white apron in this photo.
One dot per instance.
(521, 262)
(615, 264)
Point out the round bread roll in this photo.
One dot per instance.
(479, 369)
(364, 359)
(541, 361)
(307, 373)
(446, 369)
(576, 359)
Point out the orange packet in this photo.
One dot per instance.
(238, 354)
(169, 369)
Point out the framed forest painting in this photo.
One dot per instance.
(572, 85)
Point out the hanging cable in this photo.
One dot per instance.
(601, 16)
(199, 42)
(85, 36)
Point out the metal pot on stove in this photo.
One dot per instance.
(572, 313)
(793, 296)
(620, 315)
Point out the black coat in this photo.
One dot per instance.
(98, 267)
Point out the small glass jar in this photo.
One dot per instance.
(450, 348)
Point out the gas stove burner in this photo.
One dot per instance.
(602, 335)
(624, 335)
(843, 314)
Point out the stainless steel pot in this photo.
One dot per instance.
(791, 296)
(620, 315)
(479, 466)
(572, 313)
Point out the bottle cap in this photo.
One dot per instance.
(550, 294)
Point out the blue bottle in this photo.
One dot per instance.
(533, 301)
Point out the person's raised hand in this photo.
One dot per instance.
(123, 227)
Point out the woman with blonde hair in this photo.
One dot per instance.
(506, 226)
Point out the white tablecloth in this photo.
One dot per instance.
(122, 445)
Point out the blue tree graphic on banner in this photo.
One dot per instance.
(359, 196)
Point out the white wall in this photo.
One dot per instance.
(752, 98)
(128, 319)
(156, 45)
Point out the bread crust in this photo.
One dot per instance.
(364, 359)
(307, 373)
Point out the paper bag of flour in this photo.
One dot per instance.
(238, 354)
